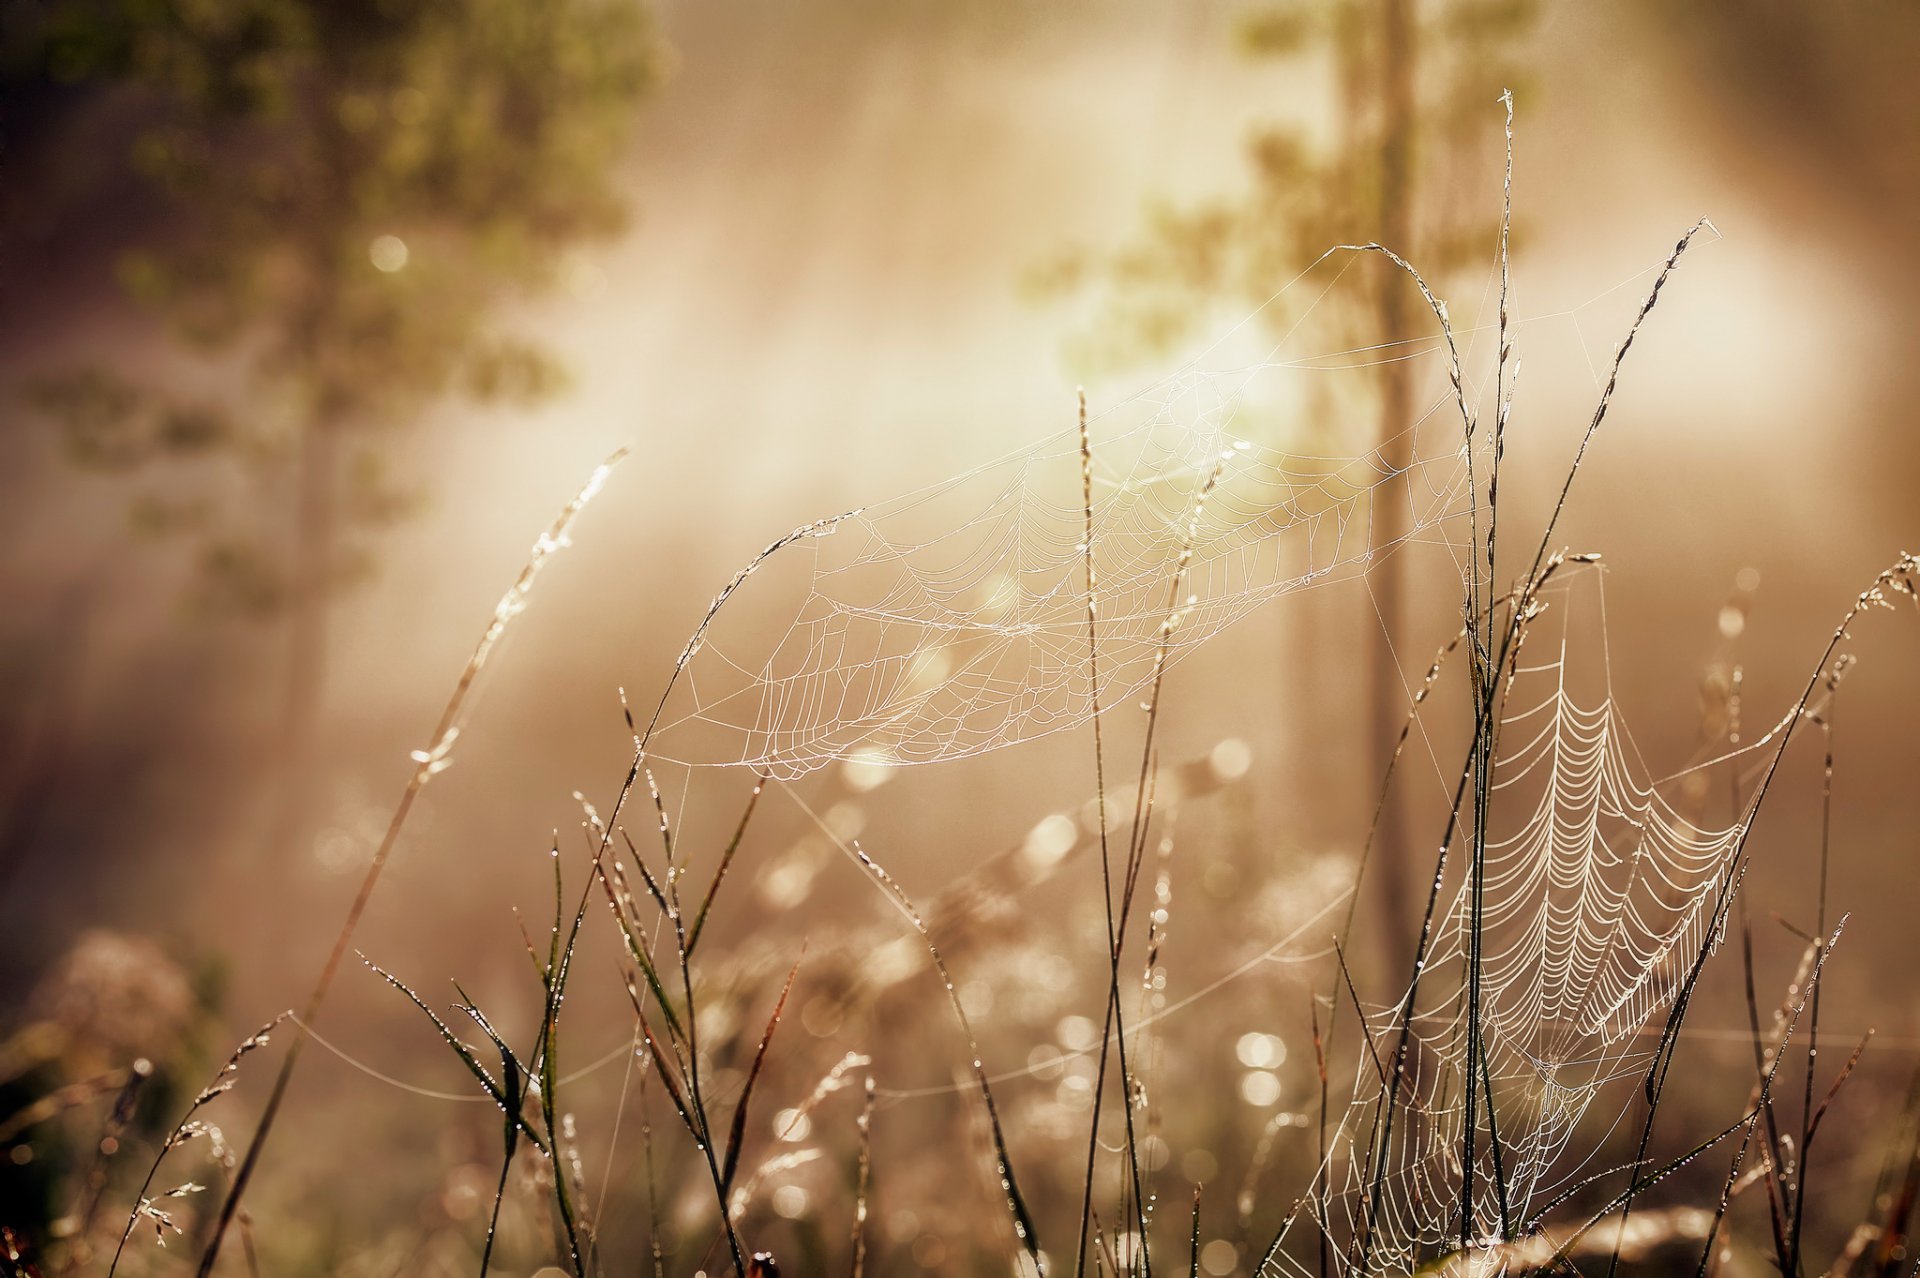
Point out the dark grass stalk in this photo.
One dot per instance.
(1502, 383)
(688, 1094)
(737, 1133)
(1113, 1027)
(686, 1091)
(1486, 725)
(1103, 1250)
(1360, 1015)
(1728, 1189)
(508, 1095)
(427, 763)
(1485, 689)
(1475, 1045)
(1193, 1267)
(704, 1135)
(1535, 1223)
(862, 1183)
(726, 860)
(1536, 576)
(1136, 850)
(1100, 801)
(1807, 1112)
(1613, 382)
(653, 1180)
(1381, 1126)
(692, 1104)
(493, 1216)
(694, 1119)
(620, 901)
(1485, 709)
(683, 940)
(548, 1058)
(1323, 1189)
(1093, 1137)
(546, 1052)
(499, 1095)
(1157, 931)
(513, 1089)
(1023, 1225)
(1769, 1119)
(1493, 1147)
(1839, 1081)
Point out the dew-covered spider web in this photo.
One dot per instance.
(1601, 886)
(953, 620)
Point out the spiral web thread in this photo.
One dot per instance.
(1599, 887)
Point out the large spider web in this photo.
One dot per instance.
(1598, 892)
(954, 620)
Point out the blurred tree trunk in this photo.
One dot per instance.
(311, 577)
(1387, 697)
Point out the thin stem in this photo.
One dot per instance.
(428, 763)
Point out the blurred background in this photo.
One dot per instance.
(316, 313)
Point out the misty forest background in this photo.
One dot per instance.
(316, 312)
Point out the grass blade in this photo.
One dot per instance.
(737, 1135)
(726, 859)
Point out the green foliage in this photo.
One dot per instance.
(348, 191)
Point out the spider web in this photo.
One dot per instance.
(953, 620)
(1599, 888)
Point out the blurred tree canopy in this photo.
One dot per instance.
(1410, 158)
(349, 189)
